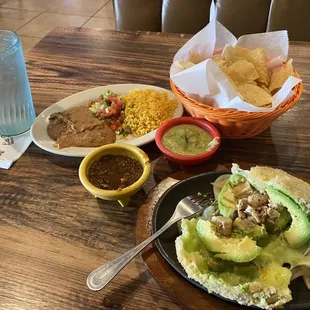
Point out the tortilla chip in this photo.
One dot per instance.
(219, 60)
(232, 82)
(264, 87)
(225, 69)
(259, 59)
(269, 105)
(183, 64)
(228, 54)
(255, 95)
(237, 58)
(279, 77)
(241, 51)
(253, 83)
(194, 57)
(245, 69)
(236, 77)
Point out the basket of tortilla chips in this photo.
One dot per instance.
(241, 90)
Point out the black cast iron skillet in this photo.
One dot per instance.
(166, 242)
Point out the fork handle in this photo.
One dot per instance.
(101, 276)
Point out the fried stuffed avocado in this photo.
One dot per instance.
(255, 242)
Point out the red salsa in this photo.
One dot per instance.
(114, 172)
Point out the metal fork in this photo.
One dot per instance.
(100, 277)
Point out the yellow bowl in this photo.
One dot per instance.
(123, 195)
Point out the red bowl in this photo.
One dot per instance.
(187, 159)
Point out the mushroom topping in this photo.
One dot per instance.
(251, 212)
(256, 209)
(252, 219)
(242, 204)
(273, 213)
(241, 214)
(262, 213)
(257, 200)
(223, 225)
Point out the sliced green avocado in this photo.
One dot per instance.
(235, 187)
(236, 179)
(193, 244)
(227, 201)
(242, 228)
(232, 249)
(299, 232)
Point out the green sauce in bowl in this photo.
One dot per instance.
(187, 139)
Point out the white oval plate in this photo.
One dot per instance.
(39, 128)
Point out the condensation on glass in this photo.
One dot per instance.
(16, 106)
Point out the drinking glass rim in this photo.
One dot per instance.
(15, 35)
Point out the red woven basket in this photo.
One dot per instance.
(234, 124)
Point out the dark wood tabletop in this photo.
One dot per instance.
(53, 232)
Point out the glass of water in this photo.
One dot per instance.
(16, 106)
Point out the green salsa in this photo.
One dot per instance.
(187, 140)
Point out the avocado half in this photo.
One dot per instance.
(285, 189)
(227, 201)
(299, 232)
(232, 249)
(262, 177)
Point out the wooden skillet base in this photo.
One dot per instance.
(186, 295)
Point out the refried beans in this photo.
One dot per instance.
(114, 172)
(79, 127)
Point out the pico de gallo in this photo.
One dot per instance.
(110, 108)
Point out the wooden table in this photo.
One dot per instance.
(53, 233)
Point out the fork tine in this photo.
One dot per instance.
(201, 199)
(201, 196)
(200, 202)
(191, 197)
